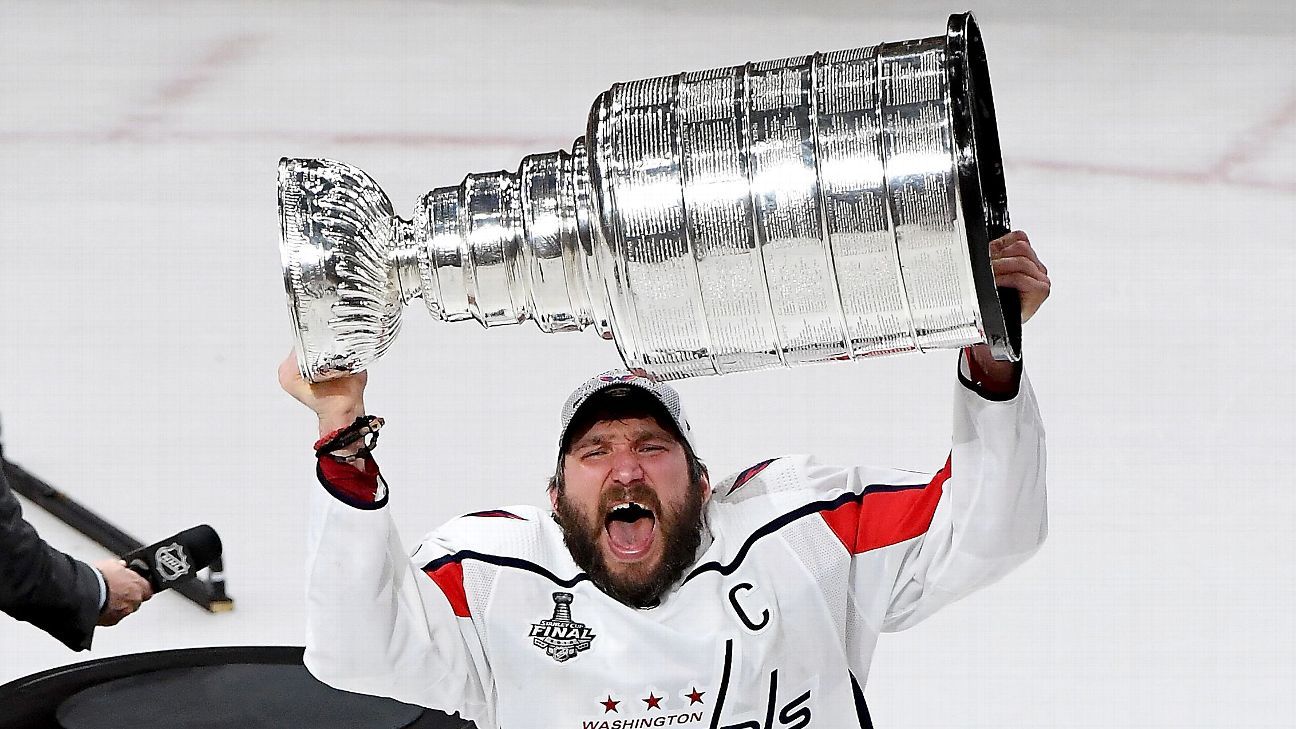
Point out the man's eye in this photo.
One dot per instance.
(652, 447)
(593, 453)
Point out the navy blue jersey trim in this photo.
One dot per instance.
(791, 516)
(861, 708)
(513, 562)
(346, 498)
(724, 685)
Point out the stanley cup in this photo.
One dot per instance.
(824, 207)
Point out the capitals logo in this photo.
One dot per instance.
(622, 378)
(560, 636)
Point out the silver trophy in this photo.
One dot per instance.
(823, 207)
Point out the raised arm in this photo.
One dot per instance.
(376, 624)
(991, 511)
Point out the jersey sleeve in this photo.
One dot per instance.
(377, 623)
(990, 513)
(909, 543)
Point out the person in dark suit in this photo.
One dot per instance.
(63, 596)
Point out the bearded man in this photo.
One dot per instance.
(646, 597)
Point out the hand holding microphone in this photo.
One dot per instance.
(134, 579)
(176, 558)
(126, 591)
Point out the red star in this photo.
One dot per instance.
(610, 705)
(654, 702)
(695, 697)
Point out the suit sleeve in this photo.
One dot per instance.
(376, 622)
(41, 585)
(989, 510)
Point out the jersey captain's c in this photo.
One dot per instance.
(802, 566)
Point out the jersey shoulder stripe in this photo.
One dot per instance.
(459, 557)
(828, 506)
(500, 513)
(449, 577)
(448, 574)
(521, 538)
(748, 474)
(885, 515)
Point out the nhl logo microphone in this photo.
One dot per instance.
(175, 558)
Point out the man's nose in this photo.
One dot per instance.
(626, 467)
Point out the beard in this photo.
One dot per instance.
(637, 585)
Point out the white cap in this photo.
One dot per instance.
(662, 393)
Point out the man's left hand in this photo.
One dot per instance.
(1017, 267)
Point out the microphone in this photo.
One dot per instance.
(175, 558)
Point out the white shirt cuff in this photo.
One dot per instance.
(103, 588)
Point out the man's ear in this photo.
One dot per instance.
(706, 485)
(553, 493)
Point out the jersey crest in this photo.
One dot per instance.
(560, 636)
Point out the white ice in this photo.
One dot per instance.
(1149, 150)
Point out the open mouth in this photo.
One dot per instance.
(631, 528)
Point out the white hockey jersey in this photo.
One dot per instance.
(773, 627)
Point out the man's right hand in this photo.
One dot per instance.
(126, 591)
(337, 403)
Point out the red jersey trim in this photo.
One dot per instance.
(449, 577)
(350, 485)
(883, 516)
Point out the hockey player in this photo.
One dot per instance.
(648, 595)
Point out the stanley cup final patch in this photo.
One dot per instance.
(172, 562)
(560, 636)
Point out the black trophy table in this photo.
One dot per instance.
(242, 687)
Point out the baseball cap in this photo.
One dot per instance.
(662, 395)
